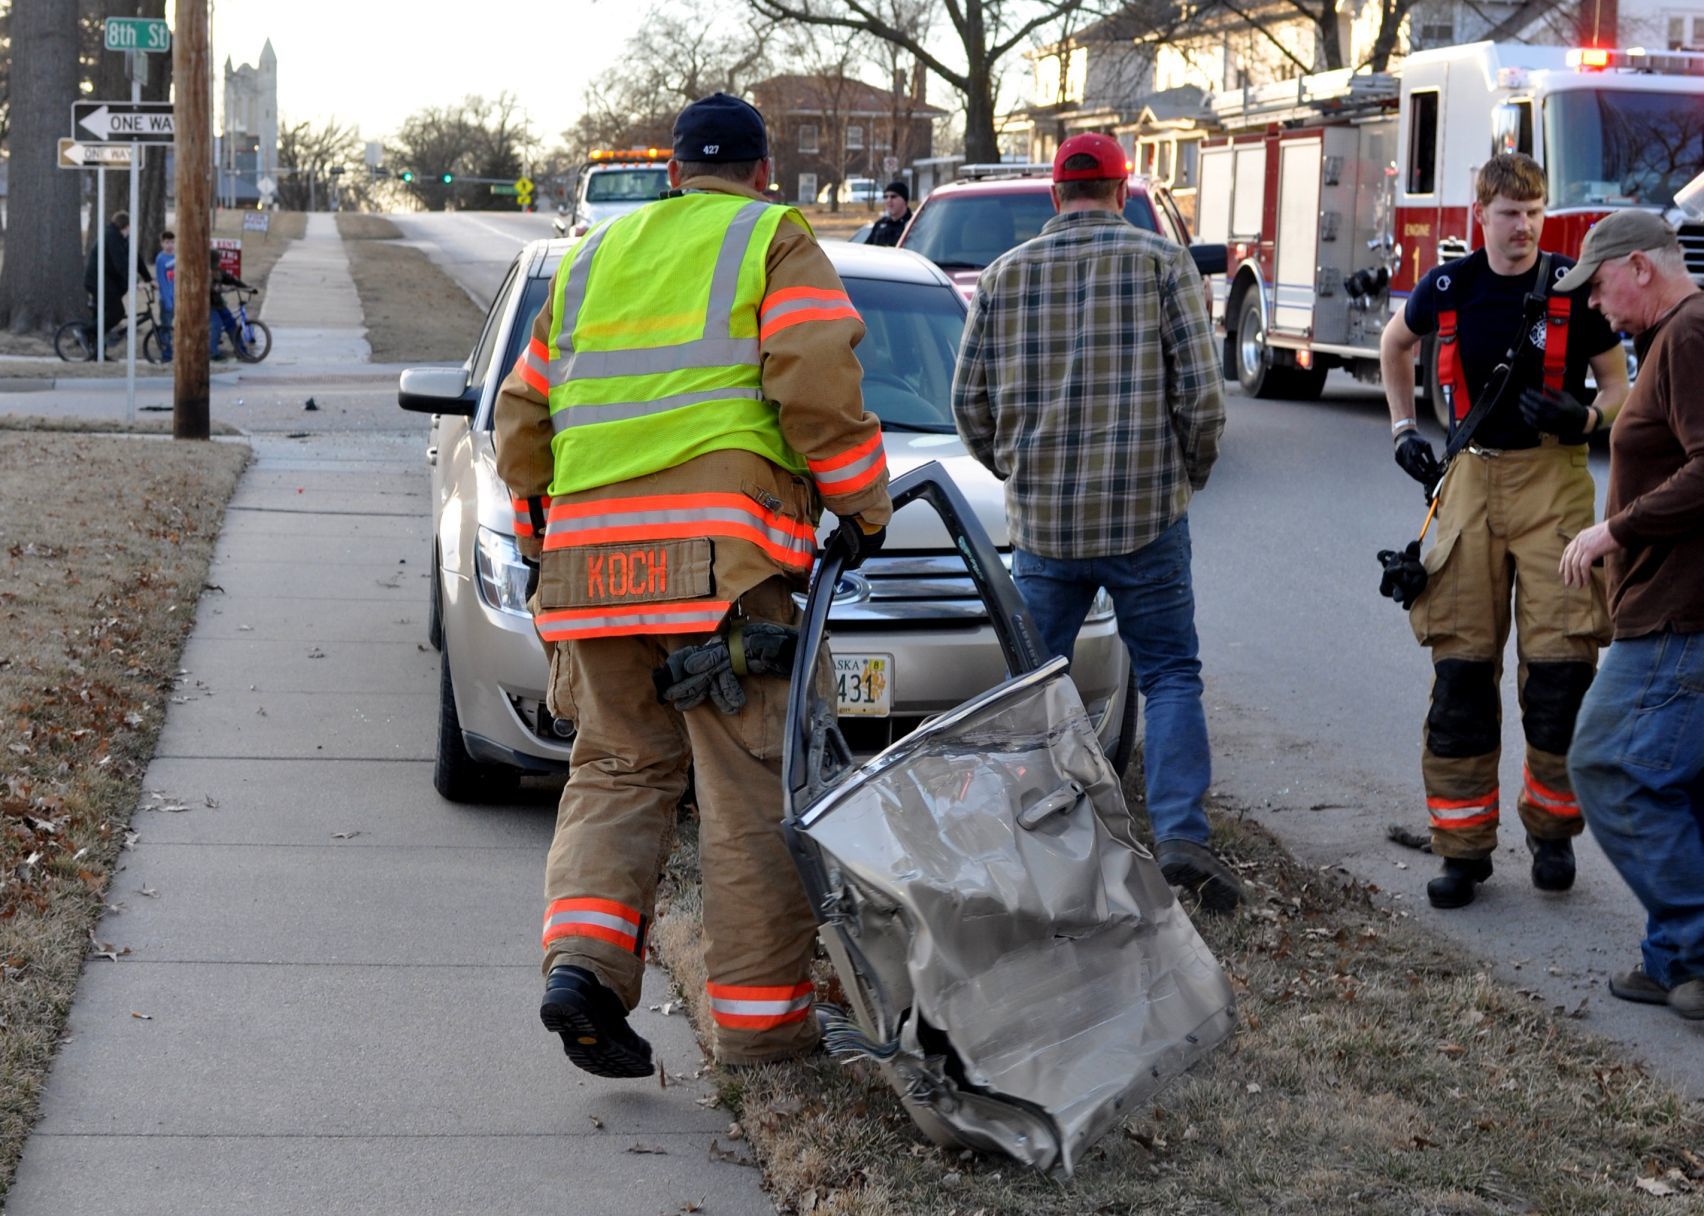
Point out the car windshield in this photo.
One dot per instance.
(909, 351)
(907, 354)
(626, 185)
(971, 230)
(1619, 146)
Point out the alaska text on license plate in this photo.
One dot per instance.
(862, 684)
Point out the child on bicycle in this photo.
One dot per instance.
(223, 318)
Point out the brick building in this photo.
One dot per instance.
(824, 130)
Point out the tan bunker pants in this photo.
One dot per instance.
(1503, 520)
(630, 767)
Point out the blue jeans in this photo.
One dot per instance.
(1154, 596)
(226, 320)
(166, 315)
(1637, 763)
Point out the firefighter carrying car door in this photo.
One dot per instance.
(1512, 355)
(689, 403)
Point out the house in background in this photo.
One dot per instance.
(1151, 89)
(824, 130)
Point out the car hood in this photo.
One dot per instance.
(597, 213)
(915, 529)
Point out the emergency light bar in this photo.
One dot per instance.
(1635, 59)
(602, 154)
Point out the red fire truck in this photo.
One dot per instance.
(1335, 192)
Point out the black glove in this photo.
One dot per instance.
(1557, 414)
(1417, 459)
(763, 648)
(860, 545)
(532, 577)
(1404, 577)
(693, 673)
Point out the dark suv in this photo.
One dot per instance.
(964, 225)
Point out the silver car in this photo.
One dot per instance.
(911, 638)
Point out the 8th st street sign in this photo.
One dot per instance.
(131, 122)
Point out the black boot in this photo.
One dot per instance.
(593, 1025)
(1552, 863)
(1454, 888)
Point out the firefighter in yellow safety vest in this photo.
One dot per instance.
(688, 405)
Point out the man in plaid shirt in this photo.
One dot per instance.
(1087, 383)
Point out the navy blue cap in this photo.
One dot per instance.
(720, 129)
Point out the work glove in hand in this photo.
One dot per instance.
(692, 673)
(766, 648)
(1404, 577)
(1557, 414)
(1417, 459)
(860, 545)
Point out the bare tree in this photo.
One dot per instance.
(479, 138)
(317, 167)
(41, 281)
(686, 49)
(987, 30)
(107, 74)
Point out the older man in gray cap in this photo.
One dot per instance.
(1637, 761)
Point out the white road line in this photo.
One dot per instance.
(508, 236)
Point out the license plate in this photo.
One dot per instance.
(862, 684)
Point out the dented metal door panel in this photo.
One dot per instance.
(1014, 959)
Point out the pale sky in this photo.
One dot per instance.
(373, 64)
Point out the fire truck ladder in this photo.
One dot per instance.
(1325, 94)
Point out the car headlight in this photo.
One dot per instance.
(502, 573)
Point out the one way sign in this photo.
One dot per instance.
(132, 122)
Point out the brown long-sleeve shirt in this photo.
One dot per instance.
(1655, 508)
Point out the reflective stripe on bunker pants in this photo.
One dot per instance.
(1502, 524)
(630, 763)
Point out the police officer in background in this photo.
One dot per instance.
(689, 403)
(1512, 358)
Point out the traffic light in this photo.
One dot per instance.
(448, 178)
(407, 175)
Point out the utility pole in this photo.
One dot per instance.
(193, 120)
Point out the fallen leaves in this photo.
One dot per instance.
(106, 949)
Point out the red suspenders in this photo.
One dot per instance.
(1453, 374)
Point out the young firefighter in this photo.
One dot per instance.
(689, 403)
(1512, 358)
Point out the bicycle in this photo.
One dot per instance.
(254, 337)
(74, 341)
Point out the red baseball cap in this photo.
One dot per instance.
(1110, 159)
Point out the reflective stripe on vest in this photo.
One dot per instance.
(653, 356)
(743, 1007)
(607, 521)
(570, 624)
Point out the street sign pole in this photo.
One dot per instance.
(138, 67)
(100, 261)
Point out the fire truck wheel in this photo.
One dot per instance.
(1432, 385)
(1257, 377)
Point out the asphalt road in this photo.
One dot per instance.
(1316, 687)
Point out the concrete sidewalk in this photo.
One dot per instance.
(329, 1000)
(311, 303)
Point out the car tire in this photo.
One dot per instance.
(1126, 747)
(435, 613)
(456, 775)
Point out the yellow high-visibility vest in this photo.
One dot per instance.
(653, 351)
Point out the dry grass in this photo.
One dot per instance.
(415, 313)
(1373, 1071)
(261, 251)
(94, 617)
